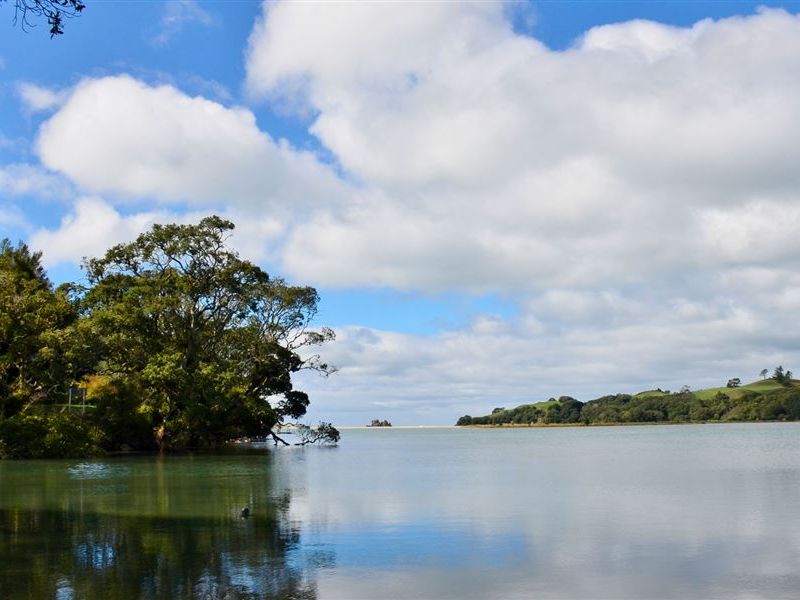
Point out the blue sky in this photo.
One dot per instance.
(497, 202)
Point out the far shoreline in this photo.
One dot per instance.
(551, 425)
(627, 424)
(349, 427)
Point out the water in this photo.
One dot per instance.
(696, 511)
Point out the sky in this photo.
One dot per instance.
(498, 203)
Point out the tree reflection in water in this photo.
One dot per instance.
(147, 528)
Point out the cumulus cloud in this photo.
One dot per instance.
(756, 233)
(563, 343)
(636, 194)
(120, 136)
(92, 225)
(92, 228)
(637, 191)
(523, 165)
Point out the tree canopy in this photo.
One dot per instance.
(176, 340)
(35, 361)
(781, 376)
(755, 402)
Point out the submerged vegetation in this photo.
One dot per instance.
(174, 342)
(774, 399)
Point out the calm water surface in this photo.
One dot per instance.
(696, 511)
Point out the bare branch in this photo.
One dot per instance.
(55, 11)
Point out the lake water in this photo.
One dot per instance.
(695, 511)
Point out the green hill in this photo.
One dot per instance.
(761, 386)
(651, 394)
(763, 400)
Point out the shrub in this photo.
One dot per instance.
(48, 435)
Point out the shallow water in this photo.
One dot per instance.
(695, 511)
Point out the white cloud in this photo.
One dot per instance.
(484, 161)
(613, 344)
(497, 163)
(637, 194)
(36, 98)
(93, 225)
(90, 230)
(637, 191)
(759, 233)
(119, 136)
(177, 14)
(22, 179)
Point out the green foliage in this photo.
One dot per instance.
(208, 341)
(49, 435)
(177, 341)
(566, 410)
(36, 337)
(781, 376)
(760, 401)
(522, 415)
(117, 408)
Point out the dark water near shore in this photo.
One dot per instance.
(696, 511)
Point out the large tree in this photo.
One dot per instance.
(37, 341)
(205, 342)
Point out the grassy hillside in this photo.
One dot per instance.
(651, 394)
(761, 386)
(762, 400)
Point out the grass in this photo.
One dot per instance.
(650, 394)
(545, 404)
(540, 405)
(760, 386)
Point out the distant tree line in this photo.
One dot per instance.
(780, 404)
(173, 342)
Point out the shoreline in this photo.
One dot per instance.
(349, 427)
(631, 424)
(549, 425)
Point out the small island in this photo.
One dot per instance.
(379, 423)
(775, 398)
